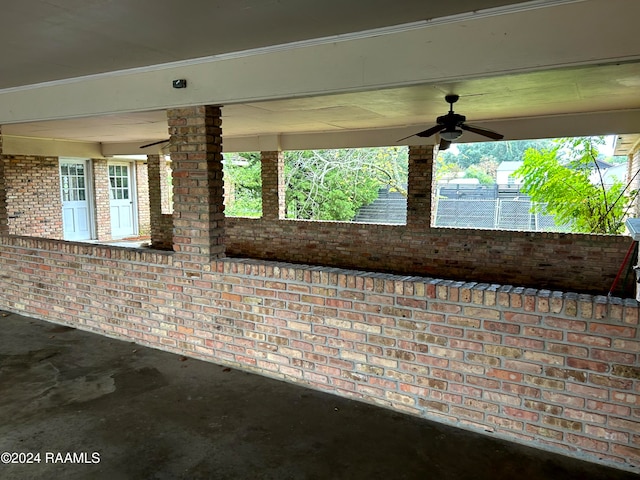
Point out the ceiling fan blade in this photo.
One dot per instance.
(155, 143)
(444, 144)
(426, 133)
(431, 131)
(482, 131)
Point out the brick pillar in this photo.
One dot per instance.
(420, 186)
(4, 217)
(166, 187)
(273, 187)
(102, 203)
(198, 187)
(161, 236)
(142, 197)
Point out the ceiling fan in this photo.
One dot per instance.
(451, 126)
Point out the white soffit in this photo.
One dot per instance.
(547, 37)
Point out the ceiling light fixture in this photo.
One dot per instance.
(451, 134)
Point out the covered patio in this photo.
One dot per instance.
(505, 334)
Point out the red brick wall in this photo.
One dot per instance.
(4, 220)
(32, 187)
(166, 188)
(198, 185)
(555, 370)
(273, 185)
(33, 196)
(583, 263)
(142, 198)
(161, 223)
(101, 193)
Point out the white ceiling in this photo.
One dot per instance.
(46, 40)
(58, 40)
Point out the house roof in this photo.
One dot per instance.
(292, 74)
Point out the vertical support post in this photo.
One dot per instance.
(198, 188)
(273, 187)
(142, 197)
(420, 186)
(4, 217)
(157, 172)
(102, 202)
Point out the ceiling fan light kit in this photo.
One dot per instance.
(450, 135)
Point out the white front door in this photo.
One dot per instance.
(123, 221)
(74, 190)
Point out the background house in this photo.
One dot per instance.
(505, 173)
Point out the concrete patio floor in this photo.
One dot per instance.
(147, 414)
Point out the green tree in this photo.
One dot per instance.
(475, 171)
(243, 184)
(334, 184)
(567, 181)
(468, 154)
(320, 184)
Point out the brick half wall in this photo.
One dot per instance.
(570, 262)
(555, 370)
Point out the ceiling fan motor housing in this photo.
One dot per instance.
(451, 120)
(451, 98)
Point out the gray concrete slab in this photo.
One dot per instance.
(140, 413)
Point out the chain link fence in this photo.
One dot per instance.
(504, 214)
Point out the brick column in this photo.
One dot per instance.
(4, 217)
(166, 187)
(102, 202)
(273, 187)
(420, 186)
(161, 237)
(142, 198)
(198, 187)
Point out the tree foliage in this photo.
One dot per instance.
(243, 184)
(320, 184)
(334, 184)
(467, 154)
(567, 181)
(481, 160)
